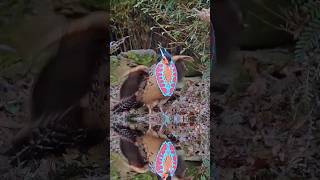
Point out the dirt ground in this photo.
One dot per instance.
(263, 128)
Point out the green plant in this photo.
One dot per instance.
(303, 22)
(177, 21)
(166, 22)
(146, 176)
(114, 63)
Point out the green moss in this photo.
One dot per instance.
(145, 176)
(115, 175)
(195, 171)
(192, 171)
(114, 62)
(8, 59)
(146, 60)
(11, 64)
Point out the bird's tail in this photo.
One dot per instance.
(127, 132)
(47, 141)
(126, 104)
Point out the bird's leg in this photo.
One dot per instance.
(165, 121)
(161, 129)
(149, 115)
(150, 126)
(160, 107)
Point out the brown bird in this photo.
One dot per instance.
(149, 149)
(152, 86)
(69, 96)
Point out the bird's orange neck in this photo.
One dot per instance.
(166, 166)
(167, 73)
(165, 61)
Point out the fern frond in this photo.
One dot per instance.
(309, 39)
(298, 2)
(312, 7)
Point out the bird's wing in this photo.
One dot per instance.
(151, 143)
(132, 153)
(179, 62)
(181, 168)
(129, 147)
(134, 79)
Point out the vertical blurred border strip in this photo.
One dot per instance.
(107, 87)
(213, 169)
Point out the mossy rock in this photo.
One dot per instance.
(118, 68)
(192, 69)
(12, 66)
(120, 64)
(145, 57)
(119, 170)
(197, 67)
(270, 60)
(257, 33)
(144, 176)
(117, 163)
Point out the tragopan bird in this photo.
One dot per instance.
(150, 151)
(152, 86)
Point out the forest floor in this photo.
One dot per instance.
(263, 130)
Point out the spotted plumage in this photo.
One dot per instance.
(150, 150)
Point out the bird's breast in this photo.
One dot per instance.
(152, 92)
(166, 78)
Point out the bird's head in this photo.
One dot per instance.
(165, 176)
(165, 56)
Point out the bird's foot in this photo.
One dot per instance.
(165, 121)
(151, 121)
(176, 119)
(161, 129)
(150, 126)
